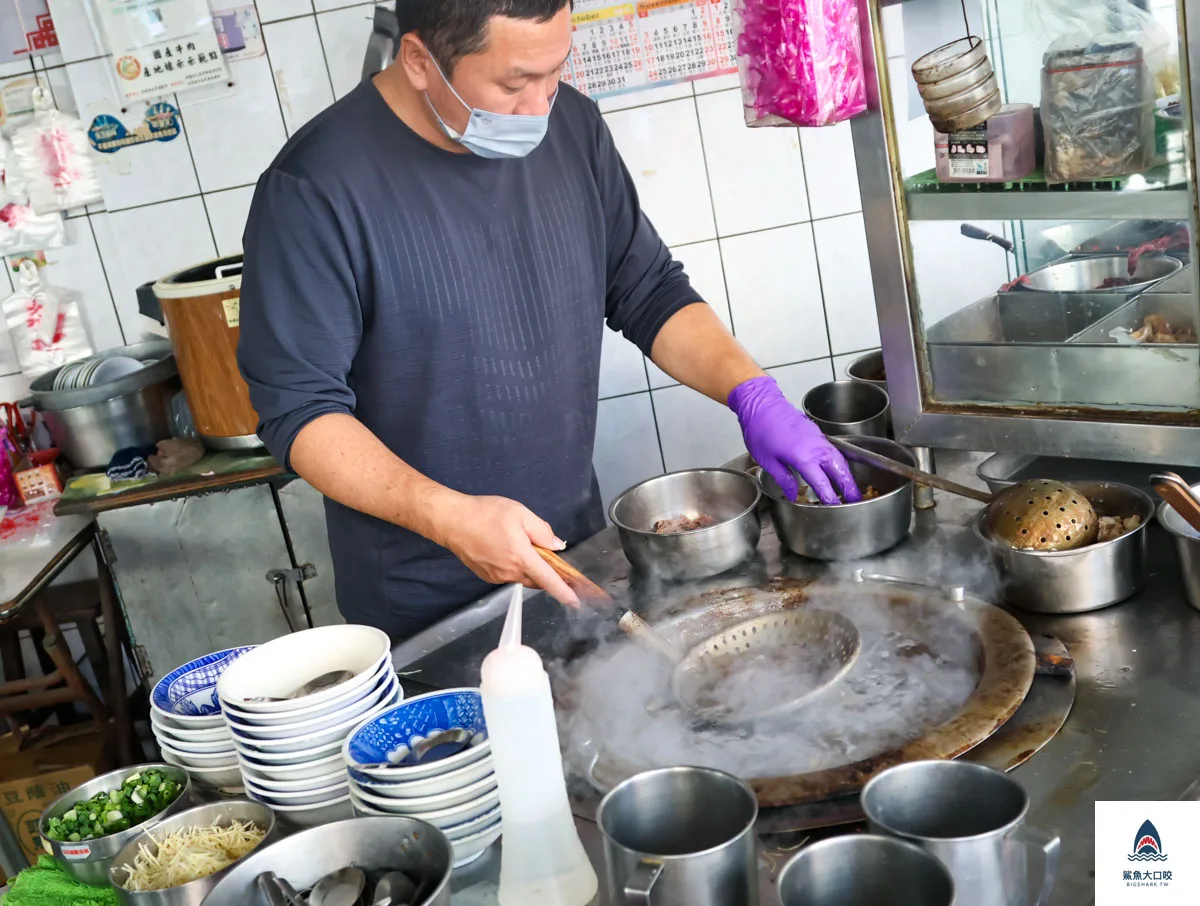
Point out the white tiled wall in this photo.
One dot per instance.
(768, 222)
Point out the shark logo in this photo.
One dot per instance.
(1147, 845)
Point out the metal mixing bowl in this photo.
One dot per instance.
(853, 530)
(729, 496)
(1085, 275)
(1079, 580)
(380, 844)
(193, 893)
(88, 862)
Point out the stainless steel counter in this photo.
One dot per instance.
(1134, 733)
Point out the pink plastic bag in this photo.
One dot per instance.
(10, 497)
(801, 61)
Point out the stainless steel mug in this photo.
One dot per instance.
(973, 819)
(680, 837)
(865, 870)
(849, 407)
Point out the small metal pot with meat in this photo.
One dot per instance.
(849, 531)
(689, 525)
(1104, 572)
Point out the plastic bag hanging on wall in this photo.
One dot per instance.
(55, 159)
(45, 326)
(21, 230)
(801, 61)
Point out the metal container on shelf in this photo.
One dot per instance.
(201, 306)
(1187, 546)
(1089, 274)
(957, 85)
(90, 424)
(1084, 579)
(88, 862)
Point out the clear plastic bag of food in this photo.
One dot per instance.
(801, 61)
(1106, 63)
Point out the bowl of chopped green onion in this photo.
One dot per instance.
(86, 828)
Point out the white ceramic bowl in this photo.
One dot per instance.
(318, 796)
(269, 760)
(198, 762)
(430, 786)
(288, 773)
(211, 734)
(227, 777)
(466, 828)
(273, 787)
(417, 804)
(283, 665)
(440, 819)
(320, 739)
(179, 722)
(386, 695)
(384, 673)
(197, 748)
(468, 849)
(312, 815)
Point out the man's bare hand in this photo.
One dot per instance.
(495, 538)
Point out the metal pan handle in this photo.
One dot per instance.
(641, 882)
(1042, 848)
(956, 592)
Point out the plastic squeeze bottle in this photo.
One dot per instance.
(542, 861)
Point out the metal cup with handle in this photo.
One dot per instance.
(865, 870)
(973, 819)
(680, 836)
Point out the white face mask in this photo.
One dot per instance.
(496, 136)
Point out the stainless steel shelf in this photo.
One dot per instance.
(1154, 204)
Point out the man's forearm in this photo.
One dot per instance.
(697, 349)
(340, 457)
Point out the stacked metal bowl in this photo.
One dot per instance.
(286, 737)
(429, 758)
(185, 716)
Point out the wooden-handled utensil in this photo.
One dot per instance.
(1175, 491)
(576, 581)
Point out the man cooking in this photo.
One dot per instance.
(428, 265)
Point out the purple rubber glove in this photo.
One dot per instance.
(782, 439)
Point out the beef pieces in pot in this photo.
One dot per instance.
(684, 524)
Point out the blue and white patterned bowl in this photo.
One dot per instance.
(382, 748)
(187, 696)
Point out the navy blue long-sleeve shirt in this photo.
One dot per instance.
(455, 306)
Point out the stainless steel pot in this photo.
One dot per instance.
(418, 849)
(849, 408)
(1084, 579)
(1086, 275)
(972, 819)
(680, 837)
(869, 369)
(193, 893)
(853, 530)
(865, 870)
(728, 496)
(91, 424)
(88, 862)
(1187, 546)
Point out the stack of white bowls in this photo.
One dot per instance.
(185, 716)
(429, 758)
(287, 747)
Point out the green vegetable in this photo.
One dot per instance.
(140, 796)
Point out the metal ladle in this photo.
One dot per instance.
(339, 888)
(322, 682)
(1038, 515)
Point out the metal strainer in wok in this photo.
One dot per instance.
(766, 665)
(1042, 515)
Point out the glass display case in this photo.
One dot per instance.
(1033, 273)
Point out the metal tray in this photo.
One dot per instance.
(1179, 310)
(1003, 470)
(1181, 283)
(1023, 318)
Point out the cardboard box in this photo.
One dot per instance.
(32, 779)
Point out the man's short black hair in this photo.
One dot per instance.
(452, 29)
